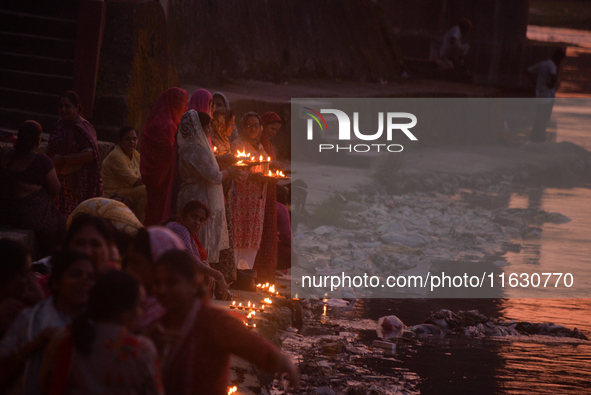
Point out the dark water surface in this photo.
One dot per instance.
(539, 365)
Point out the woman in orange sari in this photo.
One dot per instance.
(158, 154)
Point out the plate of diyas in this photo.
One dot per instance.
(247, 160)
(277, 175)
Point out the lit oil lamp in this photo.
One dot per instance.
(233, 305)
(266, 302)
(232, 390)
(240, 307)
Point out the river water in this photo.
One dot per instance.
(524, 366)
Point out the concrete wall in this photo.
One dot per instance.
(499, 50)
(216, 41)
(135, 65)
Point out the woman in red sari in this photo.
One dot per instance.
(158, 154)
(74, 151)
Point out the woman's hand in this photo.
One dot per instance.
(229, 158)
(221, 282)
(236, 173)
(58, 159)
(258, 177)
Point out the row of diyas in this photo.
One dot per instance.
(278, 174)
(248, 307)
(246, 157)
(270, 289)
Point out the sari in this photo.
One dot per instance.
(227, 262)
(201, 179)
(120, 363)
(158, 154)
(86, 182)
(200, 101)
(36, 211)
(248, 209)
(196, 360)
(266, 260)
(219, 139)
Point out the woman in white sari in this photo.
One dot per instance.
(201, 179)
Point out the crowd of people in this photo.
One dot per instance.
(130, 249)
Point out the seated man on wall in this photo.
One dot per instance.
(121, 173)
(453, 49)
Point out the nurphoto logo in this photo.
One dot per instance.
(344, 134)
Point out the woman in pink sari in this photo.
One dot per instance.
(200, 101)
(158, 154)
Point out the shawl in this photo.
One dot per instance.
(269, 117)
(200, 101)
(195, 150)
(117, 213)
(88, 179)
(158, 153)
(192, 242)
(25, 328)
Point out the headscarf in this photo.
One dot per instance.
(162, 240)
(117, 213)
(219, 137)
(158, 152)
(194, 147)
(220, 94)
(270, 117)
(235, 135)
(267, 118)
(200, 101)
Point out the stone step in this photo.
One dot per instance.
(39, 25)
(11, 119)
(30, 44)
(34, 82)
(65, 9)
(37, 64)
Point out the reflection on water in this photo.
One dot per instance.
(563, 248)
(546, 366)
